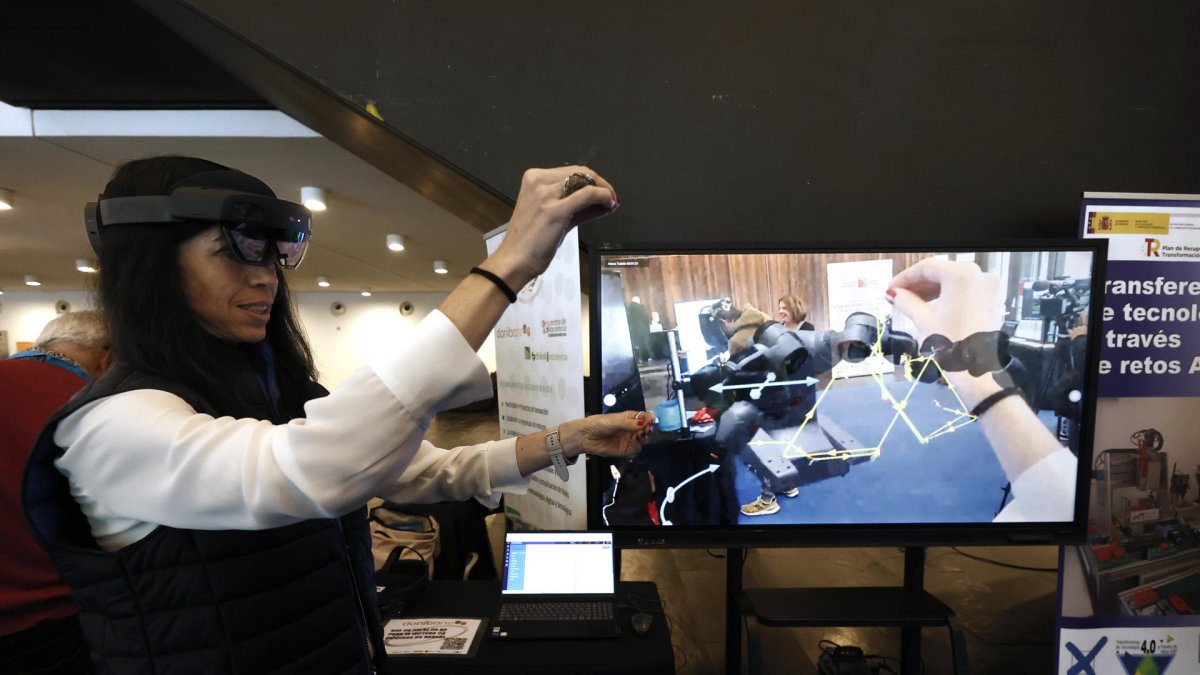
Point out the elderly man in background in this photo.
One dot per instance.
(39, 627)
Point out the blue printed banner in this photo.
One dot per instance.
(1151, 340)
(1129, 596)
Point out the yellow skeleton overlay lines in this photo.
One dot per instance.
(960, 417)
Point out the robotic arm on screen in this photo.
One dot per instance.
(766, 400)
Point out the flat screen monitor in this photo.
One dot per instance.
(850, 395)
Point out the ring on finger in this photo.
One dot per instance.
(575, 182)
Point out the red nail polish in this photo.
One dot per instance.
(891, 294)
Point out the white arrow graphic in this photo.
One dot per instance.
(662, 511)
(757, 387)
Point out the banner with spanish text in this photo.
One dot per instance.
(1151, 342)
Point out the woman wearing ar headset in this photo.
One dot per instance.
(205, 498)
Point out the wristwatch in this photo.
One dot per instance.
(557, 458)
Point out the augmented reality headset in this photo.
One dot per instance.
(252, 226)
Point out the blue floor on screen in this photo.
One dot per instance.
(953, 478)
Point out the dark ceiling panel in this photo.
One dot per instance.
(782, 120)
(778, 120)
(106, 54)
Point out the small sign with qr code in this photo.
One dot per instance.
(431, 636)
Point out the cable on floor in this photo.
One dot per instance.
(877, 662)
(1002, 564)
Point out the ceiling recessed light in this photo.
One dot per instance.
(395, 242)
(31, 280)
(84, 266)
(323, 282)
(313, 198)
(6, 199)
(439, 266)
(366, 292)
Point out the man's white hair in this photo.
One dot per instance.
(86, 330)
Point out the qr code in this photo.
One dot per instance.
(454, 644)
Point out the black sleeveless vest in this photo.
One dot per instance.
(294, 599)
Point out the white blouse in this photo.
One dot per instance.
(146, 458)
(1043, 492)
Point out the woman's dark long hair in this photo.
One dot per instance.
(153, 327)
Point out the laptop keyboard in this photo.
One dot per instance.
(556, 611)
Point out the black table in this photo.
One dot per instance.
(629, 654)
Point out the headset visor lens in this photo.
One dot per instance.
(254, 245)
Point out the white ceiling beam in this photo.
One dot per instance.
(15, 122)
(168, 123)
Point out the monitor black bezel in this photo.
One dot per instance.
(932, 534)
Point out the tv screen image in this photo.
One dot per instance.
(816, 411)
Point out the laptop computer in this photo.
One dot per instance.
(557, 585)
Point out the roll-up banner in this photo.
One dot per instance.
(1130, 596)
(539, 382)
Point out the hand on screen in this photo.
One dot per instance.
(611, 435)
(967, 300)
(543, 216)
(957, 299)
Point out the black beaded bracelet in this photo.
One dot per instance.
(992, 400)
(508, 292)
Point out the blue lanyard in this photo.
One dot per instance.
(35, 355)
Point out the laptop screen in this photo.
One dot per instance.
(537, 563)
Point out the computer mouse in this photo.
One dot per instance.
(641, 622)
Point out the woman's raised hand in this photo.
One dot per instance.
(543, 215)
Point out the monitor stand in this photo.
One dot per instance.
(909, 606)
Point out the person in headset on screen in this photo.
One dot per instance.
(205, 498)
(791, 313)
(1042, 472)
